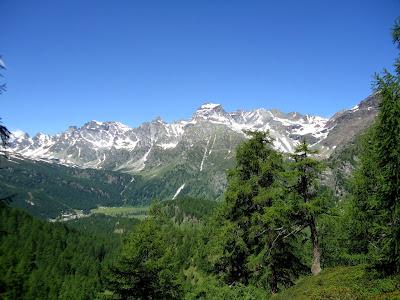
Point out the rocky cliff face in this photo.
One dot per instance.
(345, 125)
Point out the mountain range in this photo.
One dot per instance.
(163, 160)
(115, 146)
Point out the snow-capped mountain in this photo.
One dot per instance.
(114, 164)
(155, 144)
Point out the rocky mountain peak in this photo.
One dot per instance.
(212, 112)
(19, 134)
(41, 135)
(92, 124)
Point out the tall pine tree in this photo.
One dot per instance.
(308, 201)
(377, 179)
(147, 267)
(250, 243)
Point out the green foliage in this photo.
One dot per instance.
(308, 201)
(105, 225)
(306, 172)
(205, 286)
(337, 240)
(363, 189)
(250, 241)
(376, 192)
(188, 209)
(39, 260)
(147, 268)
(138, 212)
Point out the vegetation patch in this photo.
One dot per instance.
(343, 283)
(138, 212)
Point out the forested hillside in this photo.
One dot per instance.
(46, 190)
(41, 260)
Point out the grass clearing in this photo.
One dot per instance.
(138, 212)
(343, 283)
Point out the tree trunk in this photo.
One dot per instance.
(273, 284)
(316, 260)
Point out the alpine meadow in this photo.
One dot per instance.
(229, 203)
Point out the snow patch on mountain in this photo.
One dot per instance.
(178, 191)
(167, 145)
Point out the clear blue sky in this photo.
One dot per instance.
(75, 60)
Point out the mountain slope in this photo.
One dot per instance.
(48, 190)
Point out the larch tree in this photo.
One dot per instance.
(147, 266)
(308, 201)
(377, 178)
(249, 244)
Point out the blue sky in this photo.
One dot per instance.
(72, 61)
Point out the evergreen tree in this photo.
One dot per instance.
(249, 243)
(387, 146)
(41, 260)
(377, 179)
(147, 267)
(308, 201)
(364, 185)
